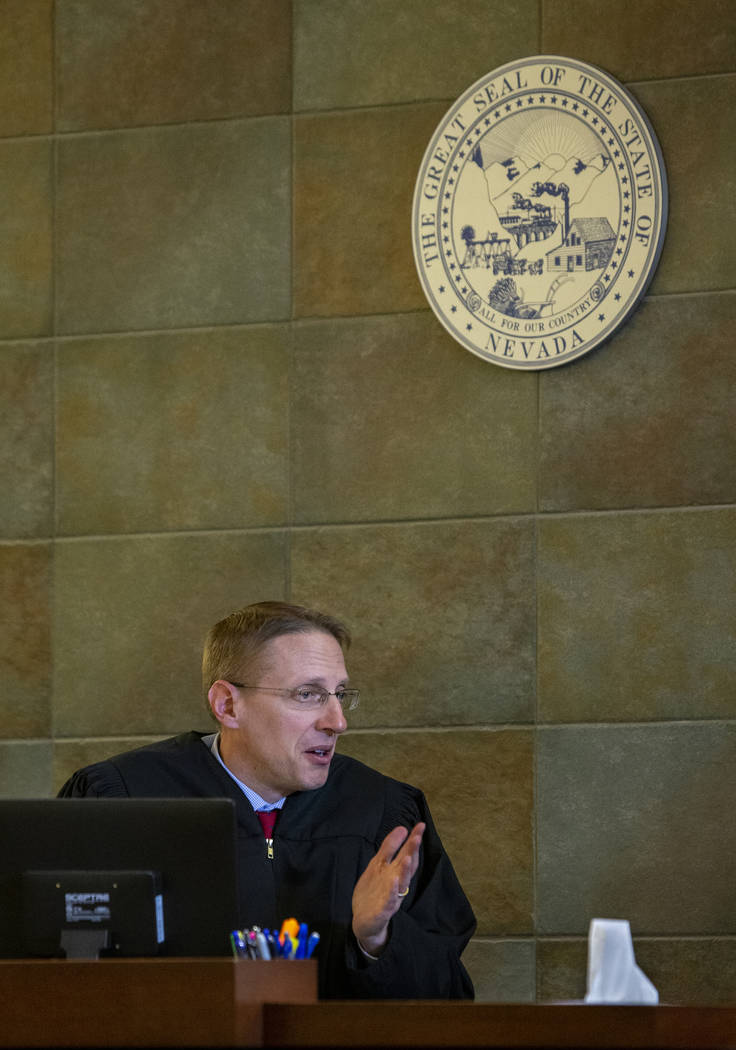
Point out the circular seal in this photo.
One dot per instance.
(539, 212)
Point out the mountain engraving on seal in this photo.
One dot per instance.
(539, 212)
(539, 234)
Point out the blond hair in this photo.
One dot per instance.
(233, 643)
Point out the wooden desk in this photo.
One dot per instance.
(224, 1003)
(145, 1002)
(433, 1024)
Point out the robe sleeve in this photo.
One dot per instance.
(102, 780)
(428, 933)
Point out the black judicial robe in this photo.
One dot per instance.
(323, 841)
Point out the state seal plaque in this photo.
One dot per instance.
(539, 212)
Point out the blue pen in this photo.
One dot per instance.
(238, 943)
(301, 945)
(270, 941)
(311, 944)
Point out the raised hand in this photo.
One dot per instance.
(382, 886)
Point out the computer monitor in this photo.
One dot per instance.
(119, 877)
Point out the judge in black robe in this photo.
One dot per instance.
(322, 843)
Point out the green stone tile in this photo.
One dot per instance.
(562, 969)
(26, 439)
(442, 617)
(633, 823)
(501, 971)
(173, 431)
(352, 53)
(131, 615)
(695, 121)
(354, 176)
(71, 755)
(690, 971)
(391, 419)
(694, 971)
(643, 39)
(174, 227)
(25, 238)
(636, 616)
(647, 420)
(25, 640)
(479, 786)
(26, 67)
(25, 769)
(154, 62)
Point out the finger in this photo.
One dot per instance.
(412, 843)
(407, 871)
(391, 844)
(408, 858)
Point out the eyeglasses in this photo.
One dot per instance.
(310, 696)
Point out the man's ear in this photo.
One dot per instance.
(221, 698)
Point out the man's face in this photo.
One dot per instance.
(275, 746)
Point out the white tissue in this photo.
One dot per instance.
(613, 976)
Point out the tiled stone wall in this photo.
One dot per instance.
(220, 381)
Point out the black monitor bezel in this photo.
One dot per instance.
(190, 842)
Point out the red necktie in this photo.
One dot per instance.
(268, 819)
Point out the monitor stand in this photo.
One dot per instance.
(84, 944)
